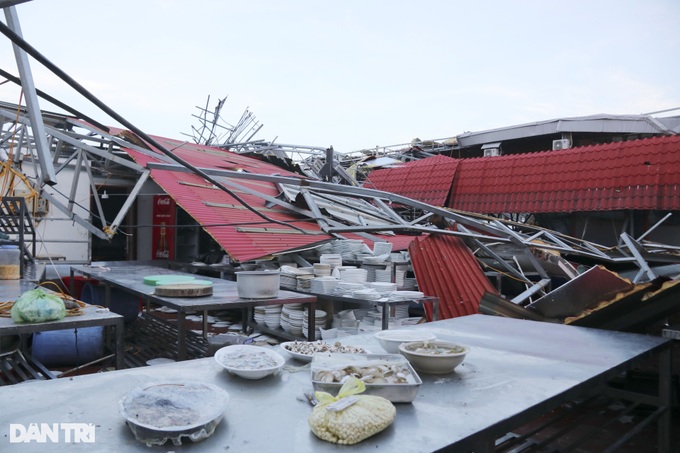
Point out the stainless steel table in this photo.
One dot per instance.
(515, 371)
(92, 316)
(129, 276)
(386, 305)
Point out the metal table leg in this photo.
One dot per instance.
(311, 321)
(181, 336)
(120, 350)
(665, 372)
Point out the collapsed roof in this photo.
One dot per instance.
(255, 209)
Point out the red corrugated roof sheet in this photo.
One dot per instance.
(242, 234)
(445, 267)
(639, 174)
(427, 180)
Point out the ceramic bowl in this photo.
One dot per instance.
(434, 357)
(391, 339)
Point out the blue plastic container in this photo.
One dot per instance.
(69, 347)
(122, 303)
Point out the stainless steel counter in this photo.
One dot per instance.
(129, 276)
(515, 371)
(11, 289)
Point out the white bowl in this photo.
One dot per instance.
(391, 339)
(434, 357)
(249, 362)
(172, 410)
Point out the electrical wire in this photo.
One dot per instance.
(57, 102)
(19, 41)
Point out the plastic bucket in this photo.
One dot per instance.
(258, 284)
(69, 347)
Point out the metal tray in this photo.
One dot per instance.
(396, 393)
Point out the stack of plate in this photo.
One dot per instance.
(375, 318)
(375, 259)
(405, 295)
(319, 322)
(370, 270)
(304, 284)
(384, 288)
(323, 285)
(354, 275)
(332, 259)
(400, 271)
(258, 314)
(346, 288)
(288, 281)
(366, 294)
(322, 269)
(399, 311)
(272, 316)
(345, 319)
(384, 276)
(291, 318)
(290, 274)
(348, 248)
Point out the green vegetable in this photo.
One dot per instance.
(37, 305)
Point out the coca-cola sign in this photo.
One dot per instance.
(163, 233)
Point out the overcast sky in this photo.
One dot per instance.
(355, 74)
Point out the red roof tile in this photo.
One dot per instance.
(426, 180)
(639, 174)
(445, 267)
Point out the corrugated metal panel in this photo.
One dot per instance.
(445, 267)
(639, 174)
(426, 180)
(243, 234)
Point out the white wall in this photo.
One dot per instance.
(57, 234)
(144, 218)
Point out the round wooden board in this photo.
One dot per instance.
(183, 290)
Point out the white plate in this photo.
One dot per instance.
(295, 355)
(159, 361)
(304, 357)
(241, 360)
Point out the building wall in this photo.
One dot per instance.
(145, 219)
(57, 234)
